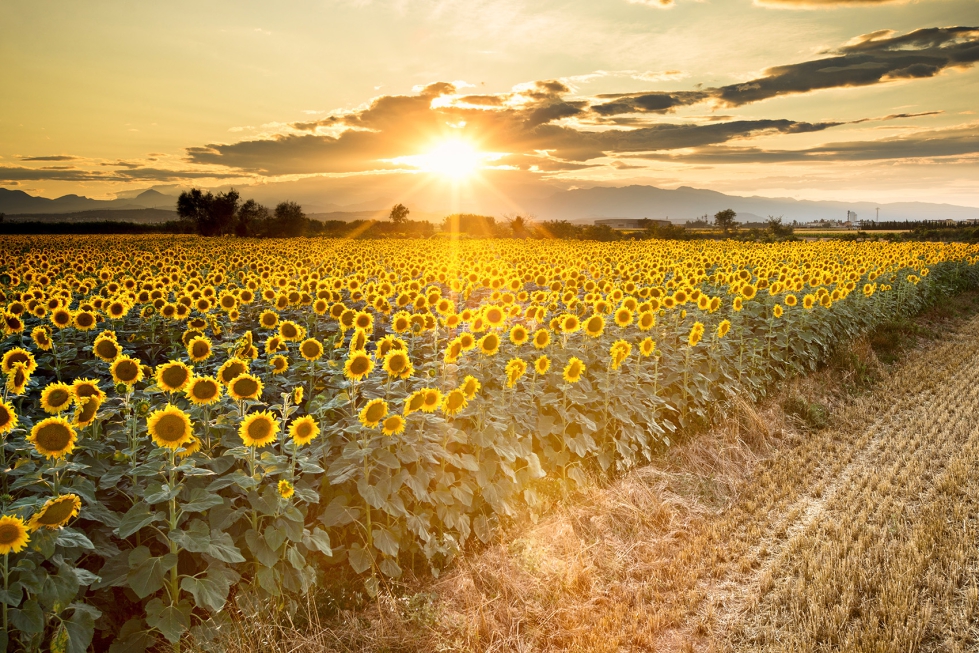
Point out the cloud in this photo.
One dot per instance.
(659, 4)
(823, 4)
(953, 142)
(58, 157)
(869, 59)
(13, 174)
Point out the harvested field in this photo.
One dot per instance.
(760, 536)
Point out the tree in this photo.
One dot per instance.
(212, 215)
(224, 211)
(520, 227)
(289, 221)
(777, 228)
(253, 219)
(195, 207)
(399, 214)
(724, 220)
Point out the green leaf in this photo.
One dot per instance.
(266, 580)
(12, 595)
(212, 593)
(147, 577)
(260, 549)
(319, 540)
(81, 627)
(171, 620)
(201, 500)
(195, 539)
(223, 548)
(69, 538)
(386, 541)
(390, 568)
(29, 618)
(136, 518)
(359, 558)
(158, 493)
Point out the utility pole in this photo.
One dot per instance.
(878, 214)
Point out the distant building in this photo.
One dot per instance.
(631, 223)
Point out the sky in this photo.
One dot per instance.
(479, 104)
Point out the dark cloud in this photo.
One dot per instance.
(13, 174)
(961, 141)
(58, 157)
(870, 59)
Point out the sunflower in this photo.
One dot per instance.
(191, 447)
(595, 325)
(647, 321)
(542, 365)
(723, 328)
(13, 535)
(127, 371)
(454, 402)
(8, 418)
(199, 349)
(696, 333)
(569, 323)
(17, 379)
(619, 352)
(259, 429)
(173, 376)
(303, 430)
(245, 386)
(87, 388)
(647, 347)
(489, 344)
(364, 320)
(291, 332)
(393, 425)
(542, 338)
(494, 316)
(401, 322)
(53, 437)
(372, 414)
(515, 368)
(573, 370)
(397, 364)
(61, 318)
(275, 344)
(203, 390)
(169, 427)
(42, 338)
(311, 349)
(777, 310)
(56, 512)
(85, 320)
(279, 364)
(467, 340)
(297, 395)
(792, 300)
(432, 400)
(414, 402)
(56, 397)
(285, 489)
(808, 302)
(623, 317)
(231, 370)
(18, 355)
(470, 385)
(106, 348)
(749, 291)
(519, 334)
(358, 366)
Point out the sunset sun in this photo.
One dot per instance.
(456, 159)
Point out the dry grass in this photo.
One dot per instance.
(761, 534)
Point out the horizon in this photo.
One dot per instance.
(491, 106)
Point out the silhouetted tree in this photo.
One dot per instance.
(289, 221)
(399, 214)
(725, 219)
(253, 219)
(212, 215)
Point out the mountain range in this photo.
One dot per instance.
(575, 205)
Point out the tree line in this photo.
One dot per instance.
(225, 214)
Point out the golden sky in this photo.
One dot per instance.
(484, 103)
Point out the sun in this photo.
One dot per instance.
(456, 159)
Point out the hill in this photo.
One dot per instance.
(138, 216)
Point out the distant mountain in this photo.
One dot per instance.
(685, 203)
(19, 202)
(142, 216)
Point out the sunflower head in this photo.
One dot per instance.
(127, 371)
(42, 338)
(542, 338)
(623, 317)
(231, 370)
(595, 325)
(573, 370)
(173, 376)
(259, 429)
(470, 386)
(393, 425)
(17, 379)
(359, 364)
(199, 349)
(489, 344)
(56, 512)
(106, 349)
(203, 390)
(373, 412)
(53, 437)
(14, 535)
(56, 398)
(647, 347)
(285, 489)
(279, 364)
(304, 430)
(723, 328)
(454, 402)
(311, 349)
(515, 368)
(542, 364)
(8, 418)
(431, 400)
(169, 427)
(245, 386)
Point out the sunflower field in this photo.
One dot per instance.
(191, 422)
